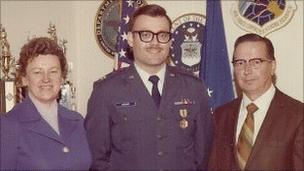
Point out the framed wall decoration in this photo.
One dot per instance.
(106, 24)
(262, 17)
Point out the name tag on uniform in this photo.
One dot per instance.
(126, 104)
(184, 101)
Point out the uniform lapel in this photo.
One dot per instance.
(136, 87)
(34, 122)
(170, 89)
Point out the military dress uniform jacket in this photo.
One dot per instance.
(279, 143)
(126, 131)
(29, 143)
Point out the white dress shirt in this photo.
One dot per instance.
(145, 78)
(263, 103)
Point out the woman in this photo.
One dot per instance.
(40, 134)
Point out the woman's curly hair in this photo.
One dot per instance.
(40, 46)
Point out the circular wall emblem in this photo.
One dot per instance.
(187, 41)
(262, 17)
(106, 25)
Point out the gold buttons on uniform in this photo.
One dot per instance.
(65, 149)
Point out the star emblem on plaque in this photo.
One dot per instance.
(107, 22)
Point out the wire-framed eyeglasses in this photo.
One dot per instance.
(255, 63)
(147, 36)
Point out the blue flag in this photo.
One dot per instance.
(127, 8)
(215, 68)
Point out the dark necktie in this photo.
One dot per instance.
(245, 141)
(155, 93)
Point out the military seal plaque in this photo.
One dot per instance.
(262, 17)
(187, 41)
(107, 22)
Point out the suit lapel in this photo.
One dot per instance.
(35, 123)
(266, 128)
(234, 120)
(235, 113)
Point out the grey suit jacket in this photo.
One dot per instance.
(278, 146)
(126, 131)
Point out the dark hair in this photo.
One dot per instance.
(251, 37)
(40, 46)
(152, 10)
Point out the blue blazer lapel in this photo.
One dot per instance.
(33, 121)
(68, 122)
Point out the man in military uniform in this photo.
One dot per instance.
(149, 116)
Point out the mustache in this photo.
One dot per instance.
(154, 47)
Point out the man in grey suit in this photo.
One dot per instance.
(266, 135)
(149, 116)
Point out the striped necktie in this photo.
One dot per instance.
(245, 141)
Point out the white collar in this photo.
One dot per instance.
(145, 75)
(145, 78)
(263, 101)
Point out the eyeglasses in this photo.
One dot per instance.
(147, 36)
(255, 63)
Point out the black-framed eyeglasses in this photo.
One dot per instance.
(147, 36)
(254, 62)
